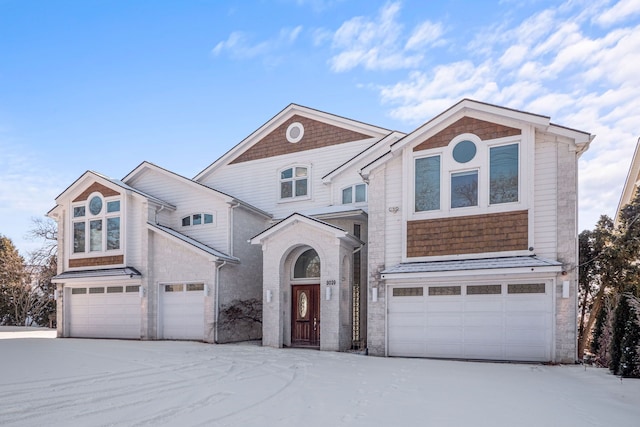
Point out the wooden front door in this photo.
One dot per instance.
(305, 316)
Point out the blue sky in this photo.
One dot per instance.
(105, 85)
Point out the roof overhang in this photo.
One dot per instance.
(473, 267)
(631, 183)
(98, 275)
(297, 218)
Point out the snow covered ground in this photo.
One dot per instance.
(74, 382)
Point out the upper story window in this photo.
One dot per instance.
(468, 174)
(354, 194)
(96, 225)
(294, 182)
(197, 219)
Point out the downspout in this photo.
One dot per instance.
(157, 212)
(216, 305)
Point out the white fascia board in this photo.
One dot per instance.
(471, 108)
(368, 154)
(471, 273)
(294, 219)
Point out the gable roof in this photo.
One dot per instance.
(298, 217)
(144, 166)
(106, 180)
(279, 119)
(630, 184)
(468, 106)
(191, 243)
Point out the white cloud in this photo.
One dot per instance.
(239, 46)
(381, 43)
(425, 35)
(622, 10)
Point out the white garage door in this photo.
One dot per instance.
(104, 312)
(471, 321)
(182, 314)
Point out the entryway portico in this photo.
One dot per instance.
(307, 274)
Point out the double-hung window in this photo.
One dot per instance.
(96, 225)
(294, 182)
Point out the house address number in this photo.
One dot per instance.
(331, 282)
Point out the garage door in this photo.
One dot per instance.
(471, 321)
(104, 312)
(182, 314)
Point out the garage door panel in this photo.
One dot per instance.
(182, 314)
(444, 306)
(410, 319)
(519, 304)
(494, 326)
(406, 305)
(100, 315)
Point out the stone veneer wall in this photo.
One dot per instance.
(567, 202)
(376, 310)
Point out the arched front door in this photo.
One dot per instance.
(305, 301)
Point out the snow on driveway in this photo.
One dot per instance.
(82, 382)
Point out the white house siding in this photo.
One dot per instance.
(172, 262)
(133, 221)
(257, 181)
(545, 195)
(188, 199)
(242, 282)
(393, 221)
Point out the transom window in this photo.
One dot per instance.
(197, 219)
(307, 265)
(467, 174)
(96, 225)
(294, 182)
(354, 194)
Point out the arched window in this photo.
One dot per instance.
(307, 265)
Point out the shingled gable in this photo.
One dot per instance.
(320, 130)
(492, 121)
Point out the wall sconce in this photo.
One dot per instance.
(269, 295)
(55, 295)
(206, 290)
(565, 289)
(141, 292)
(374, 294)
(327, 293)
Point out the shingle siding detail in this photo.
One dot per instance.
(96, 187)
(483, 129)
(96, 261)
(499, 232)
(316, 135)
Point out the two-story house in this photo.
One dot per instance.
(457, 240)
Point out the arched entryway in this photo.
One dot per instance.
(305, 300)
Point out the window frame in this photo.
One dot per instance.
(353, 194)
(481, 163)
(104, 216)
(202, 222)
(293, 180)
